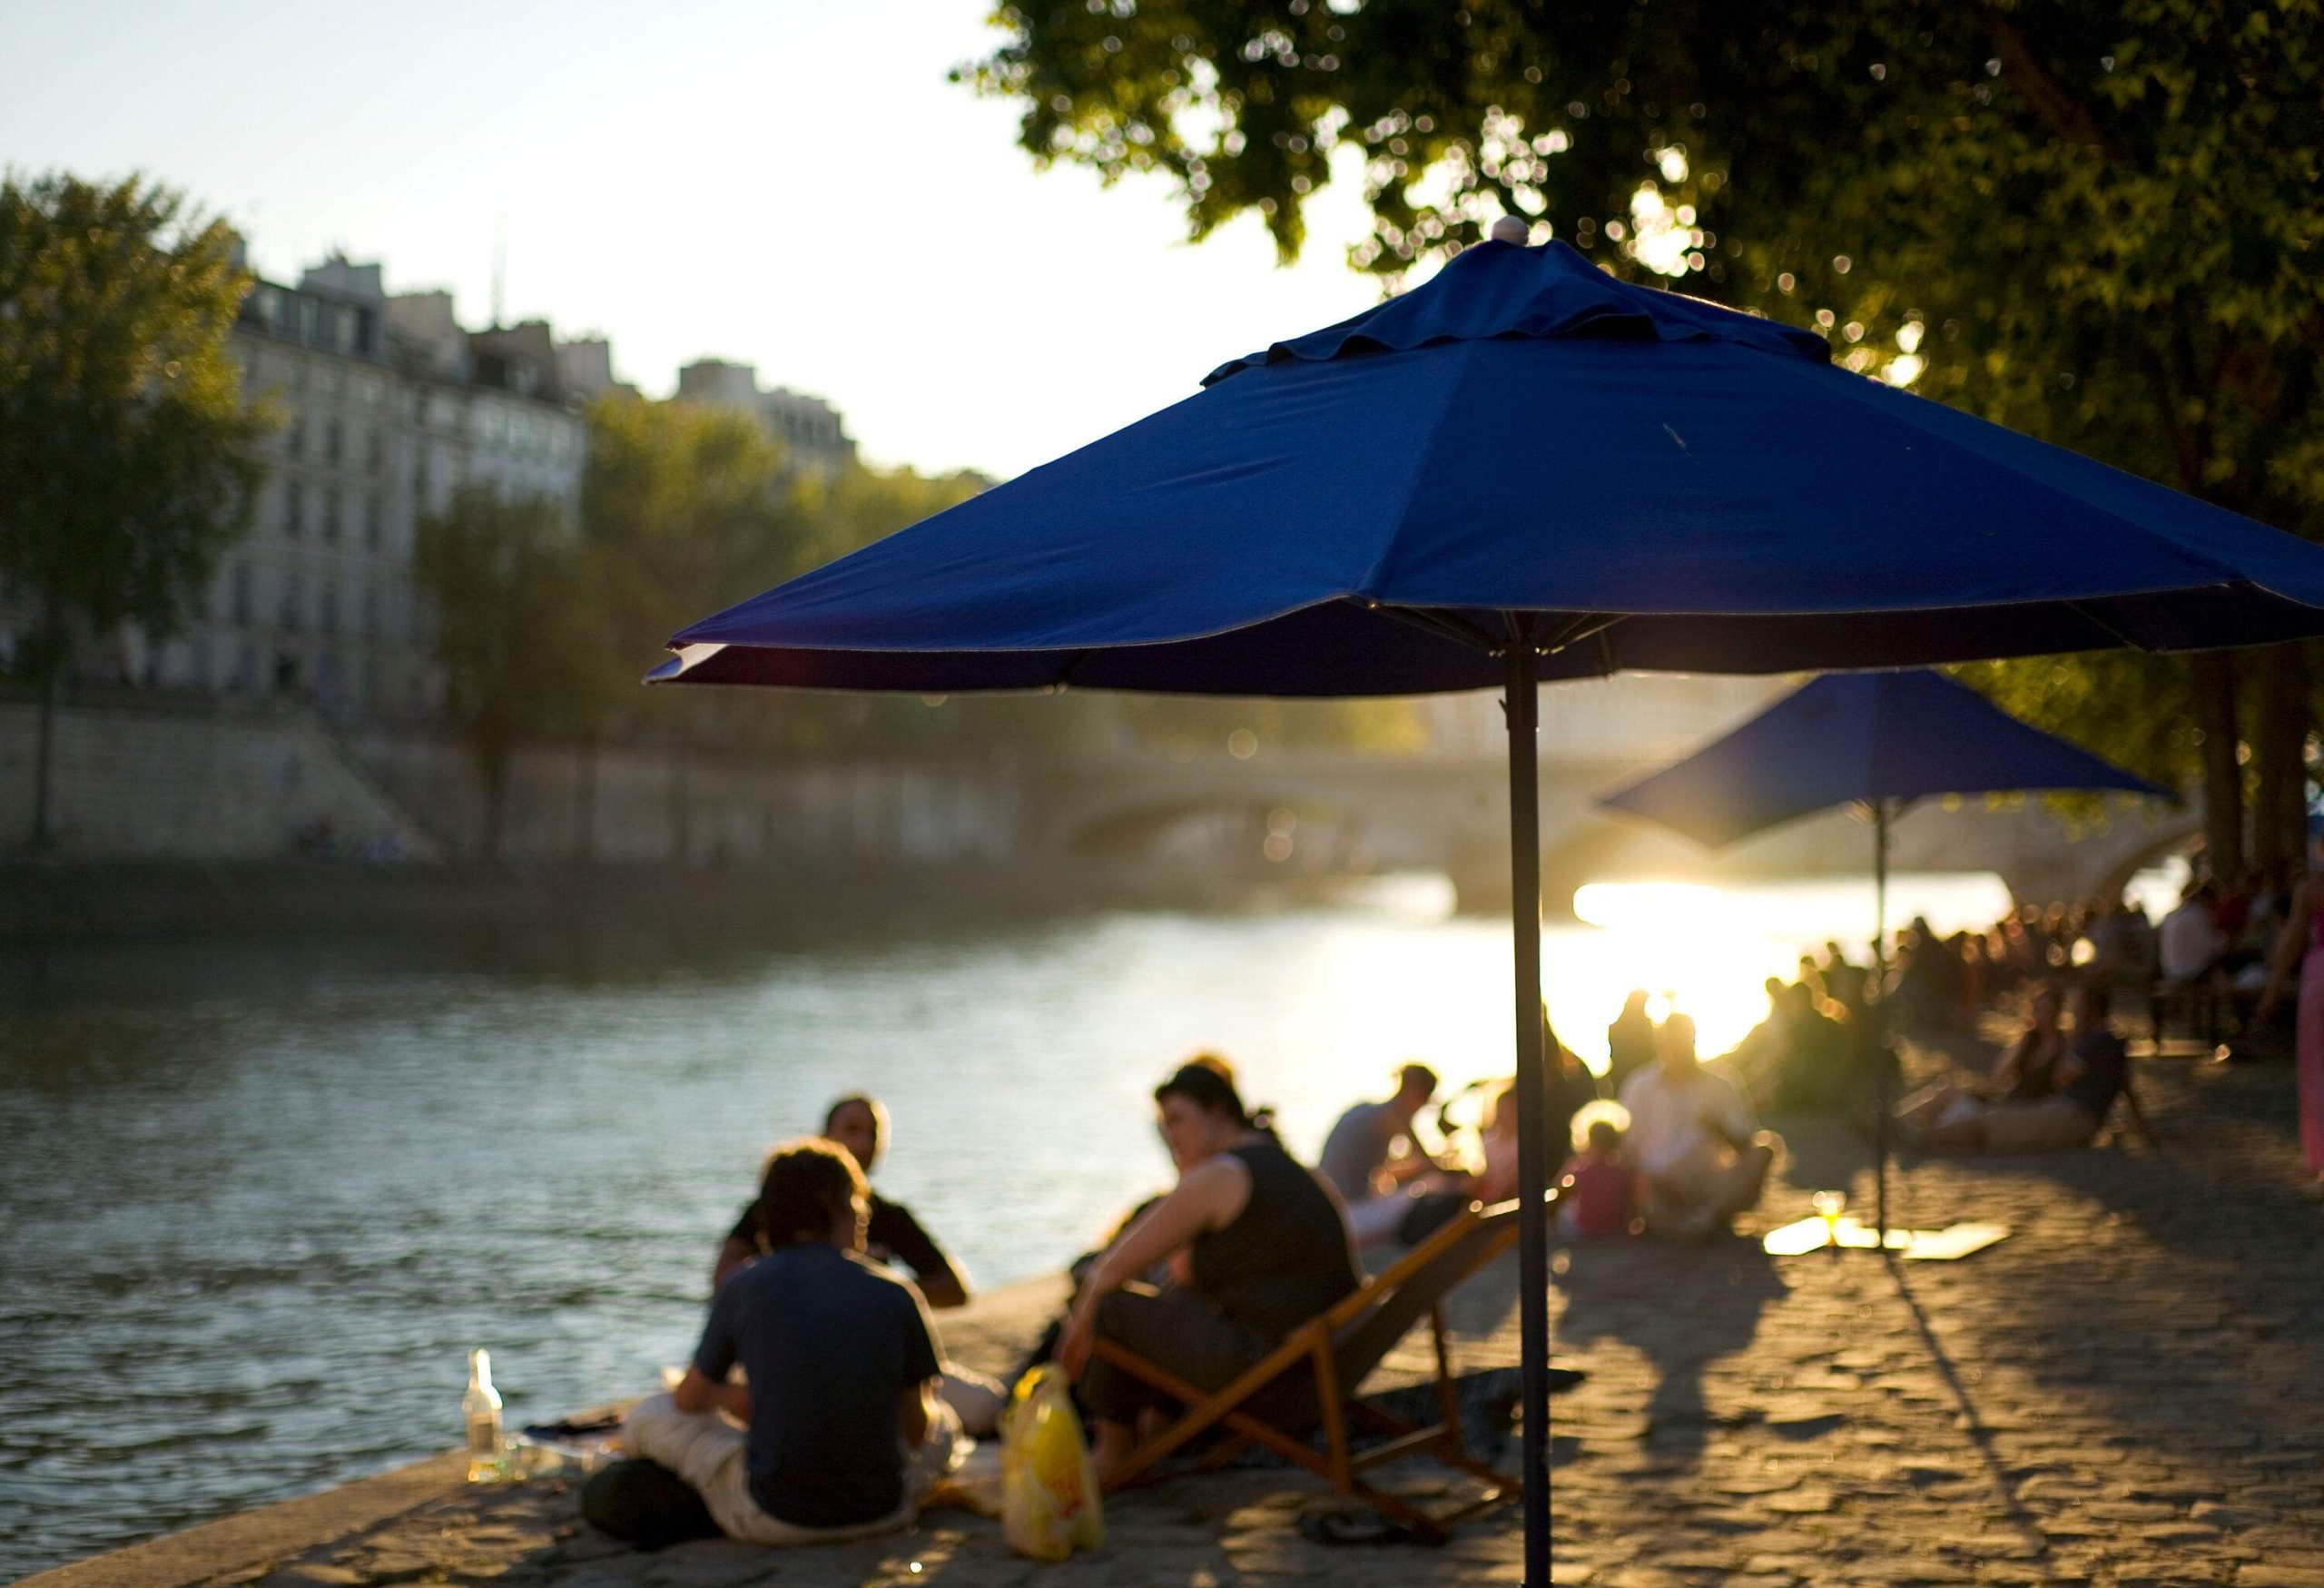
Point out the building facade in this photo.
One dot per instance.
(810, 430)
(389, 408)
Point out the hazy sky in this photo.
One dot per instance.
(788, 182)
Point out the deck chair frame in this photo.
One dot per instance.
(1314, 1344)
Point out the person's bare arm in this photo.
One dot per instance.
(697, 1393)
(2002, 1079)
(944, 1289)
(1210, 1197)
(912, 1413)
(731, 1256)
(2284, 953)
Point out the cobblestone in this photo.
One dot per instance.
(2123, 1392)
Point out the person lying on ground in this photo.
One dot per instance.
(1370, 1150)
(1942, 1117)
(1702, 1157)
(1598, 1188)
(1411, 1213)
(2088, 1075)
(840, 1430)
(860, 1124)
(1263, 1252)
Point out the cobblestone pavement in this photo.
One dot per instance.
(2129, 1390)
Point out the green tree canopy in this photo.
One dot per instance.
(2100, 223)
(128, 458)
(517, 630)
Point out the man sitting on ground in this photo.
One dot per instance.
(860, 1124)
(1697, 1148)
(2087, 1078)
(1360, 1157)
(842, 1431)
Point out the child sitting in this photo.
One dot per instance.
(1597, 1192)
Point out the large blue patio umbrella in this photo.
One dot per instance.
(1878, 740)
(1521, 470)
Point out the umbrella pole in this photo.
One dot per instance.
(1523, 710)
(1880, 1101)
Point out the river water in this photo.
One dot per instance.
(255, 1205)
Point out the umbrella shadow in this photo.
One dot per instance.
(1683, 1309)
(1973, 1424)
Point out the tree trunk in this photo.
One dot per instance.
(2279, 745)
(52, 679)
(40, 834)
(495, 806)
(2214, 681)
(682, 789)
(584, 813)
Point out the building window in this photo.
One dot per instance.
(372, 519)
(293, 600)
(294, 507)
(245, 666)
(327, 617)
(294, 436)
(370, 610)
(242, 592)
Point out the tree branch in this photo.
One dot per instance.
(2067, 116)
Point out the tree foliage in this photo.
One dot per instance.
(128, 458)
(517, 630)
(2100, 223)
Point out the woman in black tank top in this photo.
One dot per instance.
(1256, 1243)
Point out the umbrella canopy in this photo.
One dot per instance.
(1522, 468)
(1671, 485)
(1861, 738)
(1876, 739)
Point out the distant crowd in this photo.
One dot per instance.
(819, 1403)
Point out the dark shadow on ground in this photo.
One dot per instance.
(1683, 1309)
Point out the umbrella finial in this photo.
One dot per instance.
(1511, 229)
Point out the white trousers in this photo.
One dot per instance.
(710, 1451)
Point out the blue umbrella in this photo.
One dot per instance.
(1522, 470)
(1879, 740)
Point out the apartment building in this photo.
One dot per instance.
(391, 407)
(810, 428)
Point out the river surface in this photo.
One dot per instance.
(256, 1204)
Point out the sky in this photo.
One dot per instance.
(790, 184)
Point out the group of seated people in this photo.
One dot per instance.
(2051, 1090)
(1817, 1049)
(819, 1403)
(2219, 937)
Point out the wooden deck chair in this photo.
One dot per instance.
(1330, 1355)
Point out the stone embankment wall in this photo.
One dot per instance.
(145, 778)
(201, 781)
(645, 805)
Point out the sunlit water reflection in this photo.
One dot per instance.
(250, 1231)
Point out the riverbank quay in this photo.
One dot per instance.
(2121, 1392)
(54, 904)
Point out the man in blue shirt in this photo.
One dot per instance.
(838, 1430)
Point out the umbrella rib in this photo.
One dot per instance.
(2082, 610)
(1444, 626)
(1582, 626)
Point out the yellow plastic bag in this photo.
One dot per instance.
(1049, 1494)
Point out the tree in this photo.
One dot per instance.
(518, 634)
(128, 458)
(2098, 222)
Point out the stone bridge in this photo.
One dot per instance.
(1321, 812)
